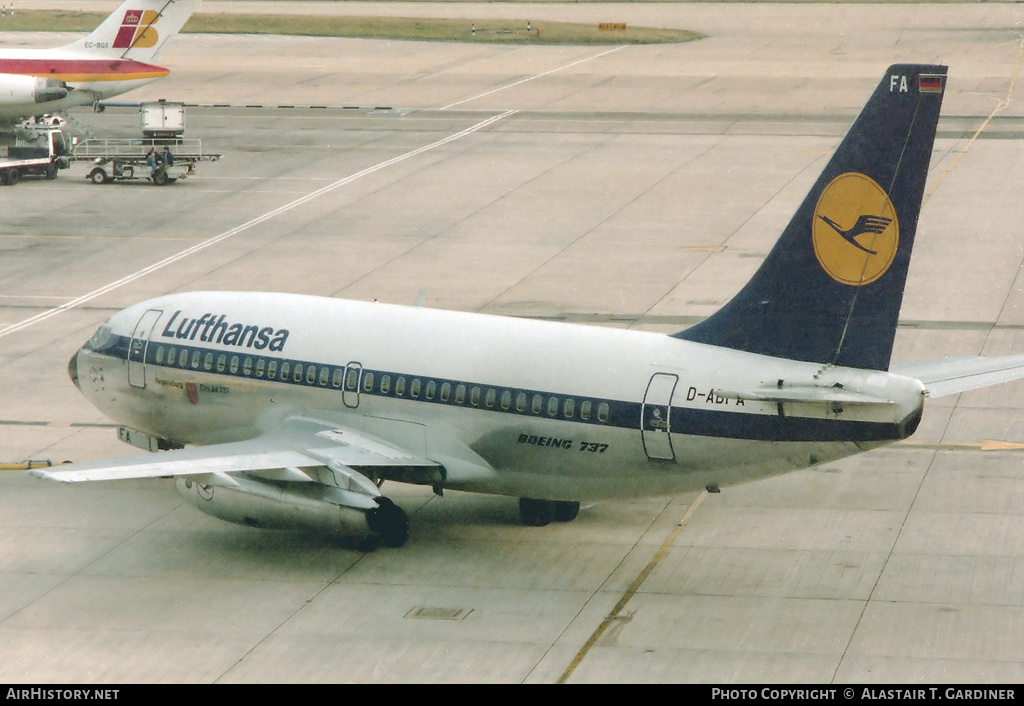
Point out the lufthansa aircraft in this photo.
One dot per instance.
(296, 408)
(110, 61)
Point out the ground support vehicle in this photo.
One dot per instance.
(39, 150)
(162, 119)
(126, 159)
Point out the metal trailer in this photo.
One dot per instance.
(163, 119)
(126, 159)
(38, 150)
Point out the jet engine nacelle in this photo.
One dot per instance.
(31, 89)
(284, 505)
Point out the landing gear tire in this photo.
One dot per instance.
(389, 522)
(566, 510)
(538, 513)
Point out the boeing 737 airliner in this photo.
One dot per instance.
(296, 409)
(112, 60)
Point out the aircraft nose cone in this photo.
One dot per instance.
(73, 370)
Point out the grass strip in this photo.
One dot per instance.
(405, 28)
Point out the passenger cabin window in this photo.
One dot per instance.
(247, 367)
(222, 362)
(160, 355)
(234, 365)
(337, 377)
(385, 384)
(352, 379)
(196, 357)
(400, 386)
(170, 356)
(285, 369)
(208, 361)
(521, 402)
(537, 404)
(297, 375)
(311, 375)
(272, 369)
(414, 388)
(585, 410)
(569, 408)
(261, 365)
(325, 376)
(474, 396)
(446, 391)
(552, 406)
(368, 382)
(491, 398)
(460, 394)
(602, 412)
(506, 399)
(431, 389)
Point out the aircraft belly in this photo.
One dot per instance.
(564, 461)
(703, 462)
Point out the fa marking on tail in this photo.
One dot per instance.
(927, 83)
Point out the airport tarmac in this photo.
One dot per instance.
(625, 186)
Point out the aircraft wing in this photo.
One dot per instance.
(296, 450)
(948, 376)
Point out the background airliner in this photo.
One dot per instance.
(110, 61)
(296, 409)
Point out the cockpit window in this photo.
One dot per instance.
(102, 339)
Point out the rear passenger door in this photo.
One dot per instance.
(655, 417)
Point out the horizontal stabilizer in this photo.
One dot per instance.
(948, 376)
(805, 393)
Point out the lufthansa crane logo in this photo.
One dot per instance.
(855, 230)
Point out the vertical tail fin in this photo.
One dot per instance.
(830, 290)
(137, 30)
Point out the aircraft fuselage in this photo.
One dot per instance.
(507, 406)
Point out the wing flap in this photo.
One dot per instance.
(296, 443)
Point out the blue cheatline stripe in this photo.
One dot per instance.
(623, 414)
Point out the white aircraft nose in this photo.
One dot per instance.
(73, 370)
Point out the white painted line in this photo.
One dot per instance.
(531, 78)
(43, 316)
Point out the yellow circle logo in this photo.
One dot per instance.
(855, 230)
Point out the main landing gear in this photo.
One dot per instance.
(537, 513)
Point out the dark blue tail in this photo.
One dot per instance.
(830, 290)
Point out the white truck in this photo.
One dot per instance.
(39, 150)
